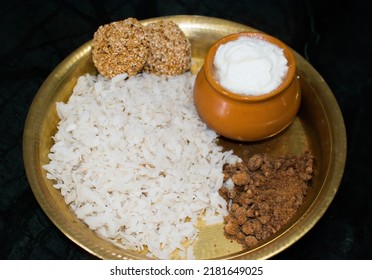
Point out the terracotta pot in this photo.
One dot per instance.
(244, 117)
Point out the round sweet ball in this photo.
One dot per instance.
(120, 47)
(170, 50)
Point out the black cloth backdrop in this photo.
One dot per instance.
(334, 36)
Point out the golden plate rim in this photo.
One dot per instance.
(328, 190)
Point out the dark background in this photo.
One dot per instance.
(335, 37)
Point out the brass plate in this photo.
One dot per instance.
(319, 126)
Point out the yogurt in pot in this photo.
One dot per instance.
(250, 66)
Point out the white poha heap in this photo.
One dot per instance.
(136, 164)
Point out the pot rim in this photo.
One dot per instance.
(208, 66)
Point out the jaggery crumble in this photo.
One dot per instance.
(266, 194)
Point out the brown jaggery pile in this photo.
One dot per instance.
(126, 46)
(266, 194)
(120, 47)
(170, 50)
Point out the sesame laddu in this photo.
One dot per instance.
(170, 50)
(120, 47)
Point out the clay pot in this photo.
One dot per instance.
(242, 117)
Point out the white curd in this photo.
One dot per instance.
(250, 66)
